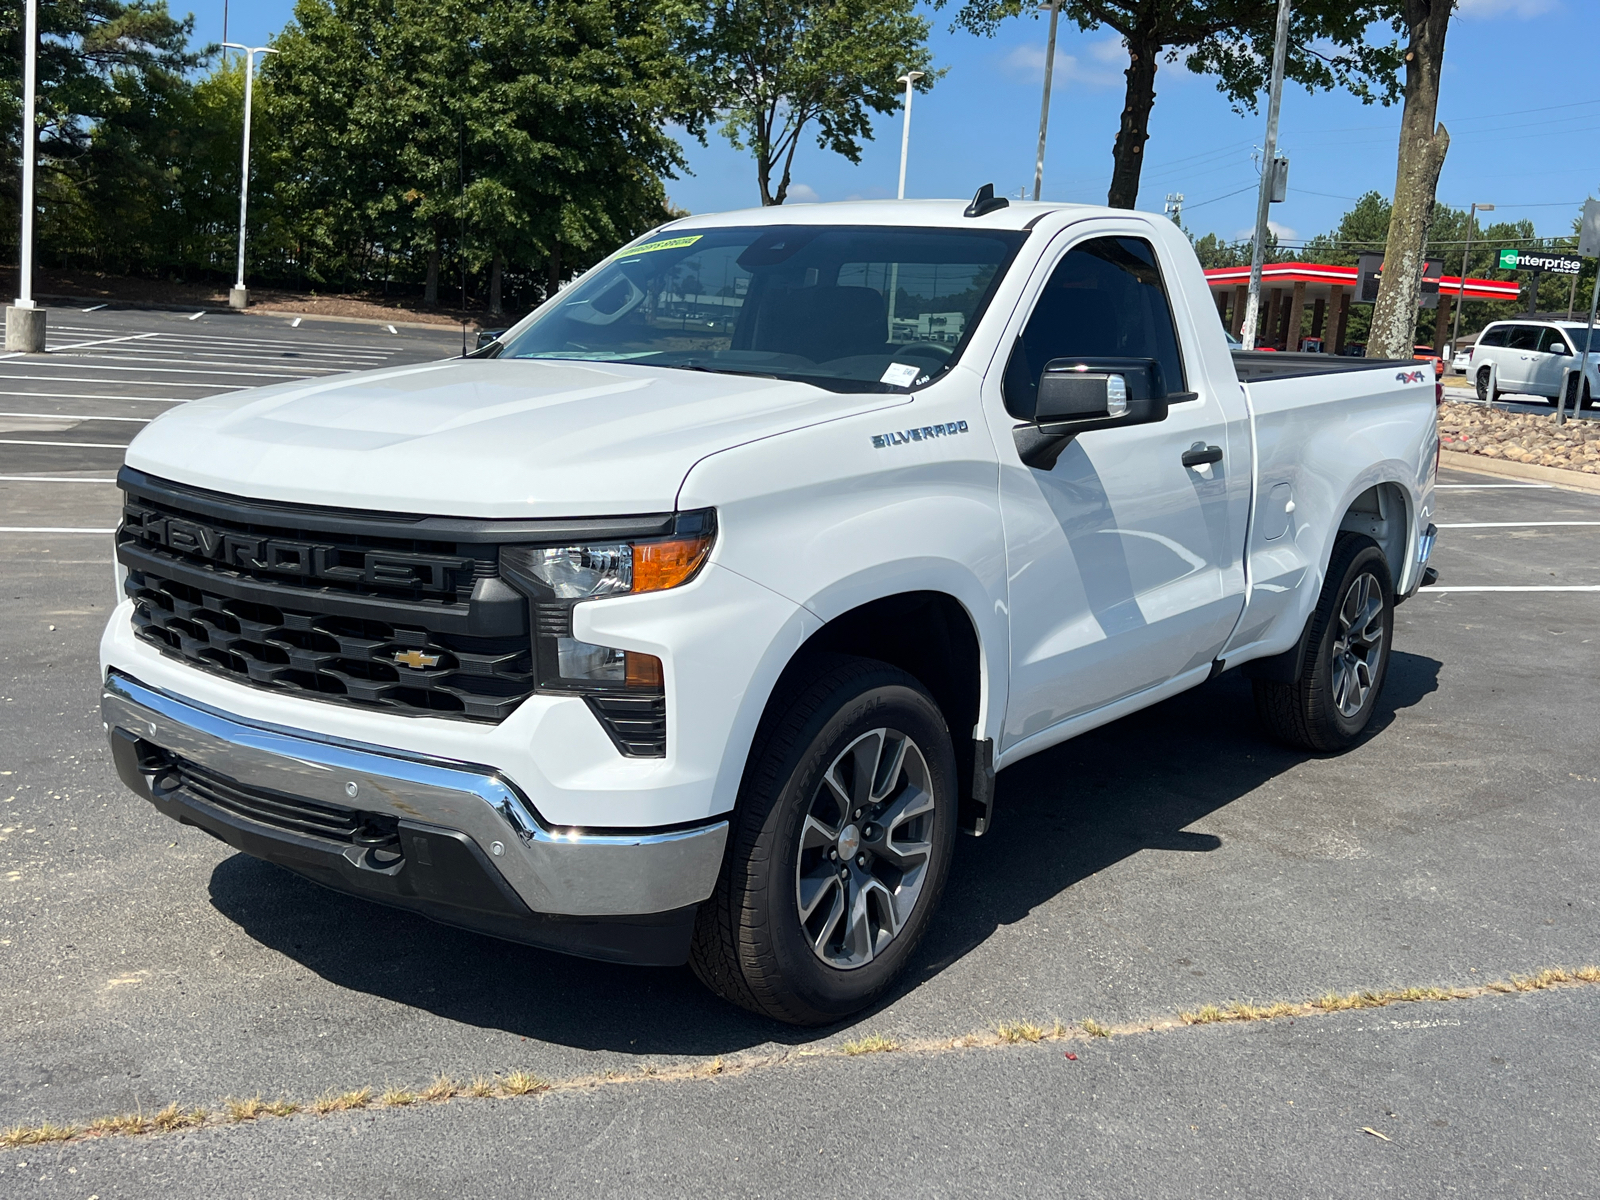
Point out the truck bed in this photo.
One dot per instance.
(1264, 364)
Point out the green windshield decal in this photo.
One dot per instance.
(677, 243)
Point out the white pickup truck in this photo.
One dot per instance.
(691, 618)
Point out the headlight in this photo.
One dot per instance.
(557, 578)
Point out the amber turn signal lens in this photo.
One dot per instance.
(642, 670)
(661, 565)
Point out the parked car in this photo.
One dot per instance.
(1531, 357)
(1354, 350)
(1429, 354)
(1462, 359)
(690, 623)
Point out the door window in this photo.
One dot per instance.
(1105, 299)
(1494, 337)
(1522, 337)
(1551, 342)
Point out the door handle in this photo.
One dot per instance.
(1200, 455)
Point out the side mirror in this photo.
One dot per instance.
(485, 336)
(1077, 395)
(1559, 348)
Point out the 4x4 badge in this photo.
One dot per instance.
(416, 659)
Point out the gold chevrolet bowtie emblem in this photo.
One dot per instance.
(416, 659)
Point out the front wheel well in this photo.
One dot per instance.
(931, 636)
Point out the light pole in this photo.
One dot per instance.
(1461, 291)
(1044, 105)
(24, 321)
(239, 297)
(909, 78)
(1269, 171)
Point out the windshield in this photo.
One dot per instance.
(846, 308)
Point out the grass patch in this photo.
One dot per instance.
(873, 1043)
(172, 1118)
(243, 1110)
(332, 1102)
(522, 1083)
(441, 1089)
(1093, 1028)
(481, 1088)
(36, 1135)
(1207, 1015)
(393, 1097)
(1012, 1032)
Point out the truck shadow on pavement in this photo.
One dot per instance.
(1061, 817)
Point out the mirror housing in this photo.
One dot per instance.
(1077, 395)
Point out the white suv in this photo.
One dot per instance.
(1530, 358)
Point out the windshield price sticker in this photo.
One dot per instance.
(677, 243)
(900, 375)
(1540, 260)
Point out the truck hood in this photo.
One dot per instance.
(480, 437)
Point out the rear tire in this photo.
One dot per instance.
(1347, 655)
(839, 849)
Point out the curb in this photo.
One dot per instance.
(1577, 481)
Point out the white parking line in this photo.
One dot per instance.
(102, 396)
(132, 337)
(247, 353)
(149, 367)
(1483, 486)
(49, 479)
(179, 336)
(221, 387)
(160, 354)
(73, 417)
(75, 445)
(1535, 587)
(1511, 524)
(48, 529)
(81, 365)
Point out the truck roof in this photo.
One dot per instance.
(923, 213)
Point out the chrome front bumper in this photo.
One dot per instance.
(560, 872)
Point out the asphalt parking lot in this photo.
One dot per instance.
(1172, 860)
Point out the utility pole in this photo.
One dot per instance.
(239, 297)
(24, 320)
(1461, 295)
(1044, 105)
(1269, 171)
(1173, 208)
(908, 79)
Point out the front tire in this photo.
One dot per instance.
(1347, 655)
(840, 846)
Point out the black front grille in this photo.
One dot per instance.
(394, 613)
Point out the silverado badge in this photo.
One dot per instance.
(416, 659)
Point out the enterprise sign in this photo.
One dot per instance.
(1540, 260)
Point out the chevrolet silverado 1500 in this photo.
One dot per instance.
(691, 618)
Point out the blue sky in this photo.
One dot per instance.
(1525, 135)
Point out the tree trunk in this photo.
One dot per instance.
(1127, 156)
(1422, 149)
(555, 271)
(430, 289)
(495, 272)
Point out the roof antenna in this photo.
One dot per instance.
(985, 202)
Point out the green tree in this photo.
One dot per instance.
(1230, 39)
(768, 69)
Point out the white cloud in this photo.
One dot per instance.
(802, 193)
(1110, 50)
(1029, 63)
(1284, 233)
(1496, 8)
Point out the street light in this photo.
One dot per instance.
(1044, 105)
(25, 321)
(239, 297)
(1269, 174)
(908, 79)
(1461, 289)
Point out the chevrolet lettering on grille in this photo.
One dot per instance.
(283, 556)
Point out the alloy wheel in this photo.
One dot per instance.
(865, 848)
(1358, 645)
